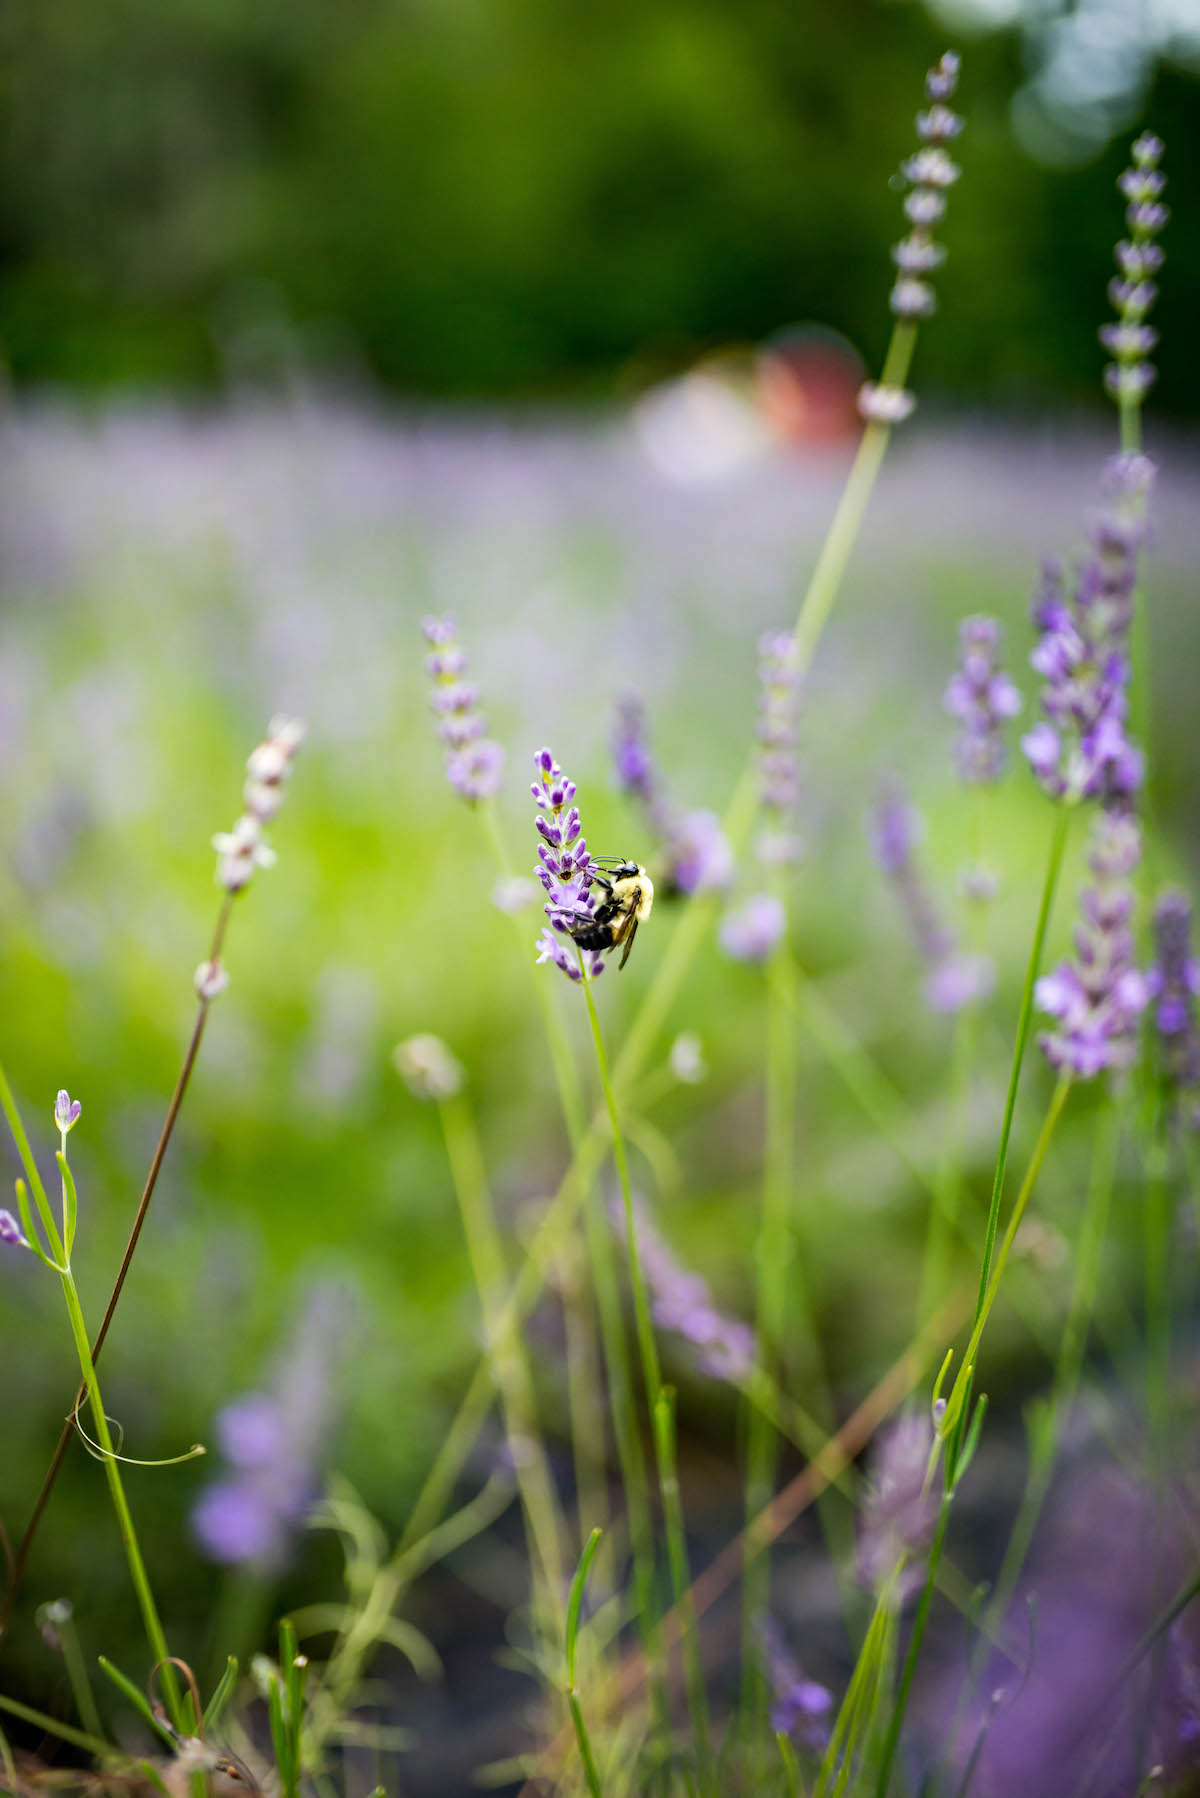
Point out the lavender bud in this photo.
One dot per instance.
(474, 762)
(911, 298)
(210, 978)
(942, 79)
(10, 1231)
(882, 405)
(427, 1068)
(754, 930)
(66, 1112)
(239, 852)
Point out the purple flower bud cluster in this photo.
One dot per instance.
(474, 762)
(1133, 290)
(953, 977)
(1172, 983)
(930, 174)
(242, 849)
(272, 1441)
(694, 851)
(682, 1304)
(563, 867)
(800, 1707)
(982, 698)
(778, 773)
(1097, 999)
(898, 1513)
(1082, 750)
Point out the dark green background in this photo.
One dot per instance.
(513, 197)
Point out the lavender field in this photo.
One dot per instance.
(769, 1367)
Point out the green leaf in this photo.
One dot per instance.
(575, 1601)
(221, 1697)
(137, 1699)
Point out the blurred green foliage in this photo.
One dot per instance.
(511, 196)
(179, 579)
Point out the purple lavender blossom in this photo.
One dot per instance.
(779, 676)
(682, 1304)
(899, 1511)
(1083, 751)
(564, 866)
(693, 849)
(981, 697)
(754, 929)
(273, 1441)
(1098, 999)
(1131, 340)
(66, 1112)
(954, 978)
(930, 173)
(474, 762)
(1173, 983)
(800, 1707)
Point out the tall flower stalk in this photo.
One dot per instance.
(565, 870)
(239, 852)
(52, 1245)
(673, 966)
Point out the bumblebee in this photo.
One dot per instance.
(629, 896)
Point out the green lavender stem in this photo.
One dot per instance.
(1044, 1430)
(583, 1390)
(133, 1553)
(957, 1406)
(673, 968)
(680, 1576)
(1058, 841)
(510, 1365)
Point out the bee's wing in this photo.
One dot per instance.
(629, 936)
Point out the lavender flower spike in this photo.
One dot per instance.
(693, 849)
(1173, 983)
(1097, 1000)
(1133, 292)
(953, 978)
(1082, 750)
(778, 774)
(898, 1516)
(981, 697)
(474, 762)
(243, 849)
(564, 865)
(930, 173)
(800, 1707)
(682, 1304)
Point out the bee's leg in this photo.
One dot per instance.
(602, 880)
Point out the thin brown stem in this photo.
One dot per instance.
(181, 1085)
